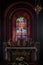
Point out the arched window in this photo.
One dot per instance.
(21, 28)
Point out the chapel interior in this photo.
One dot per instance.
(20, 33)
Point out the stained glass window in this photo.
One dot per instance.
(21, 27)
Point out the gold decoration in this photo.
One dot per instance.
(38, 8)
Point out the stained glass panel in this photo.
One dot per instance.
(21, 27)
